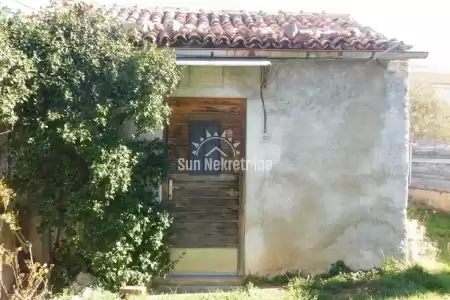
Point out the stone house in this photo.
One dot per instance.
(290, 140)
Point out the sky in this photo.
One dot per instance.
(418, 23)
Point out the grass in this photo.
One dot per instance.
(392, 281)
(438, 228)
(428, 280)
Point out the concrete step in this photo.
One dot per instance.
(199, 280)
(192, 284)
(205, 292)
(195, 289)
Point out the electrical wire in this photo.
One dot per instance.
(23, 4)
(262, 99)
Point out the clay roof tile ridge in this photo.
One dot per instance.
(182, 26)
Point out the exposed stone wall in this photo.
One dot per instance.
(338, 142)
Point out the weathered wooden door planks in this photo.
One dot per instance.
(205, 204)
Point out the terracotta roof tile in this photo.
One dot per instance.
(213, 29)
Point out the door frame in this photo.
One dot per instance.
(242, 176)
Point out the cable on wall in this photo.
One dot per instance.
(263, 86)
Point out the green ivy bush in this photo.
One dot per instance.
(95, 189)
(15, 70)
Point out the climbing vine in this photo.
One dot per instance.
(95, 189)
(15, 70)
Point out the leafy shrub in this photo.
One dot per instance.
(429, 114)
(15, 70)
(95, 189)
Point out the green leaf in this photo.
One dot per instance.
(70, 82)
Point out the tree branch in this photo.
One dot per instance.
(6, 132)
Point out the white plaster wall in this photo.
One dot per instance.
(338, 135)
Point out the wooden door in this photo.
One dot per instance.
(206, 136)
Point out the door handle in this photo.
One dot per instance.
(170, 189)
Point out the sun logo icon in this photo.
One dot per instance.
(216, 136)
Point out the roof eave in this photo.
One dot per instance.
(300, 54)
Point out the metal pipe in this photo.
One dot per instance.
(261, 87)
(223, 62)
(290, 53)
